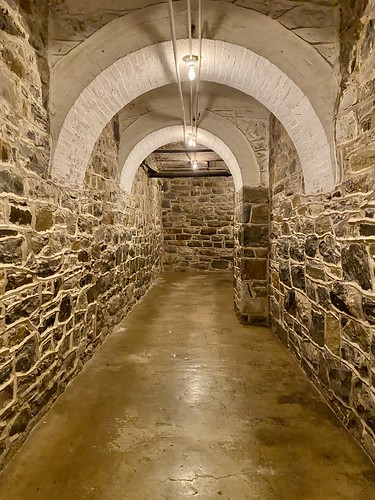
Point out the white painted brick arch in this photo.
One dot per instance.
(214, 130)
(167, 135)
(222, 62)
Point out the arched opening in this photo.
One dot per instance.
(238, 239)
(235, 66)
(167, 135)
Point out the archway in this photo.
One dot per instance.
(222, 62)
(150, 132)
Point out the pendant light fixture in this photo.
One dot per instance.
(190, 61)
(192, 140)
(193, 65)
(194, 164)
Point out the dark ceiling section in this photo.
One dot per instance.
(178, 160)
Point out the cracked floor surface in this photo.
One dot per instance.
(182, 401)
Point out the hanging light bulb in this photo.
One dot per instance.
(191, 70)
(190, 63)
(194, 164)
(192, 141)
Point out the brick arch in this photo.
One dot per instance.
(222, 62)
(215, 132)
(166, 135)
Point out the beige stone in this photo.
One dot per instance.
(333, 334)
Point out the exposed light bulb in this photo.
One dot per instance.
(191, 71)
(194, 164)
(190, 61)
(191, 141)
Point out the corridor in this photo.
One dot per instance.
(182, 401)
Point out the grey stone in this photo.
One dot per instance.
(16, 279)
(260, 214)
(311, 245)
(298, 277)
(296, 250)
(315, 270)
(65, 308)
(23, 309)
(11, 251)
(338, 297)
(49, 267)
(284, 271)
(26, 357)
(355, 265)
(340, 379)
(328, 249)
(283, 248)
(255, 235)
(255, 195)
(8, 232)
(21, 422)
(367, 229)
(357, 333)
(368, 306)
(19, 216)
(11, 183)
(6, 396)
(290, 303)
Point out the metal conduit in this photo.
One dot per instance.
(173, 31)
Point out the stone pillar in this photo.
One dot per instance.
(251, 223)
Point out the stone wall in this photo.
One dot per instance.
(251, 236)
(322, 287)
(198, 223)
(71, 264)
(322, 290)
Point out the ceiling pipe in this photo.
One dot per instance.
(199, 65)
(174, 42)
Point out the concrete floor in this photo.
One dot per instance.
(182, 401)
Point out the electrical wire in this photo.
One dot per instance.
(189, 30)
(191, 57)
(194, 103)
(199, 65)
(192, 109)
(174, 42)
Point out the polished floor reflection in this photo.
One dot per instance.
(182, 401)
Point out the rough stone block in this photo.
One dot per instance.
(368, 306)
(43, 220)
(19, 216)
(11, 251)
(255, 195)
(355, 265)
(260, 214)
(317, 328)
(255, 235)
(254, 269)
(356, 333)
(10, 182)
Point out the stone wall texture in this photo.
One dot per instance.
(71, 264)
(322, 259)
(251, 237)
(198, 223)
